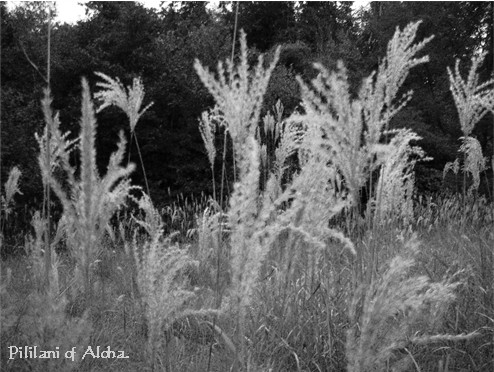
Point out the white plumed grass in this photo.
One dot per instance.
(293, 284)
(7, 198)
(129, 100)
(473, 101)
(239, 94)
(90, 201)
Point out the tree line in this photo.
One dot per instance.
(127, 40)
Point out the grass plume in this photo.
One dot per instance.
(129, 100)
(473, 101)
(90, 201)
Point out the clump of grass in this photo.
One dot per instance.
(238, 94)
(452, 212)
(353, 129)
(39, 316)
(207, 237)
(161, 280)
(55, 148)
(181, 213)
(90, 201)
(350, 140)
(394, 313)
(256, 220)
(473, 101)
(395, 186)
(330, 154)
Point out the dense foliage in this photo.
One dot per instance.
(128, 40)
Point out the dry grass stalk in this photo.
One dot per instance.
(387, 313)
(238, 94)
(91, 201)
(351, 130)
(161, 280)
(128, 100)
(473, 101)
(7, 200)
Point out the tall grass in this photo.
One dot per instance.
(473, 101)
(207, 126)
(39, 316)
(291, 275)
(159, 262)
(90, 201)
(238, 95)
(339, 141)
(394, 313)
(129, 100)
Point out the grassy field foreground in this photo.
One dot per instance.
(294, 273)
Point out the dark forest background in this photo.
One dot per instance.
(126, 40)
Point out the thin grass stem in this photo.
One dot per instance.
(47, 216)
(142, 165)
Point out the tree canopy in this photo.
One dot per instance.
(127, 40)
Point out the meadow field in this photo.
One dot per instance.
(293, 269)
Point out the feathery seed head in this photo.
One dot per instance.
(11, 188)
(90, 201)
(338, 121)
(472, 100)
(12, 185)
(238, 93)
(129, 99)
(394, 307)
(207, 126)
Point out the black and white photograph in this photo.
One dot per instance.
(251, 186)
